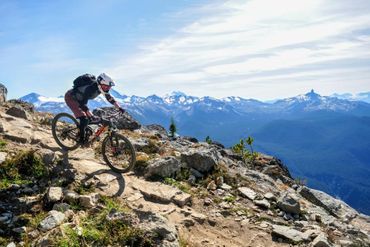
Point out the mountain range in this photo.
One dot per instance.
(324, 139)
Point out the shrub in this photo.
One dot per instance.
(245, 149)
(208, 140)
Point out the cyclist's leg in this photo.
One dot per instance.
(78, 113)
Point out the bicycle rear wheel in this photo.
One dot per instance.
(118, 153)
(65, 131)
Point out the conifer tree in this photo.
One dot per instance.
(172, 127)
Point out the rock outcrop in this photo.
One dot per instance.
(3, 93)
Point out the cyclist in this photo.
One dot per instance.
(87, 87)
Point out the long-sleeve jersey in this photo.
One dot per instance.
(85, 93)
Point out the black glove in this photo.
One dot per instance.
(94, 119)
(121, 110)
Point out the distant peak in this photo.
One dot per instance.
(177, 93)
(312, 94)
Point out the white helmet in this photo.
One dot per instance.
(104, 79)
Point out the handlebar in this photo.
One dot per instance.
(106, 120)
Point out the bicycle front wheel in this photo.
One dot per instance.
(65, 131)
(118, 153)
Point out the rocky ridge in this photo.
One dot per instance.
(181, 193)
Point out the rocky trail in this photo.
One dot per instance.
(181, 193)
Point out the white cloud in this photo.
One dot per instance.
(243, 42)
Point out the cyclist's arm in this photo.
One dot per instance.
(112, 100)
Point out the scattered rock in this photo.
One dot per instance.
(219, 181)
(225, 187)
(211, 185)
(289, 205)
(20, 230)
(2, 157)
(89, 201)
(247, 192)
(190, 139)
(200, 218)
(61, 207)
(181, 199)
(156, 223)
(125, 218)
(262, 203)
(208, 201)
(54, 194)
(287, 233)
(320, 241)
(71, 197)
(53, 219)
(270, 196)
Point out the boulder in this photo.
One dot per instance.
(203, 160)
(289, 205)
(247, 192)
(53, 220)
(18, 111)
(162, 167)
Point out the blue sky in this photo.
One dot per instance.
(260, 49)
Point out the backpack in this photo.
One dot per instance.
(84, 80)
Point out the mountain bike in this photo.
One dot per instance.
(117, 151)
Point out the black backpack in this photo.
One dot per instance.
(84, 80)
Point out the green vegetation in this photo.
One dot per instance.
(3, 144)
(172, 128)
(84, 188)
(183, 186)
(229, 198)
(245, 149)
(151, 148)
(95, 229)
(25, 167)
(208, 140)
(300, 181)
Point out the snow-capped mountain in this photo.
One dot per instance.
(177, 102)
(365, 96)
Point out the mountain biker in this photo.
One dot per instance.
(87, 87)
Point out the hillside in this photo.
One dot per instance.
(181, 193)
(335, 130)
